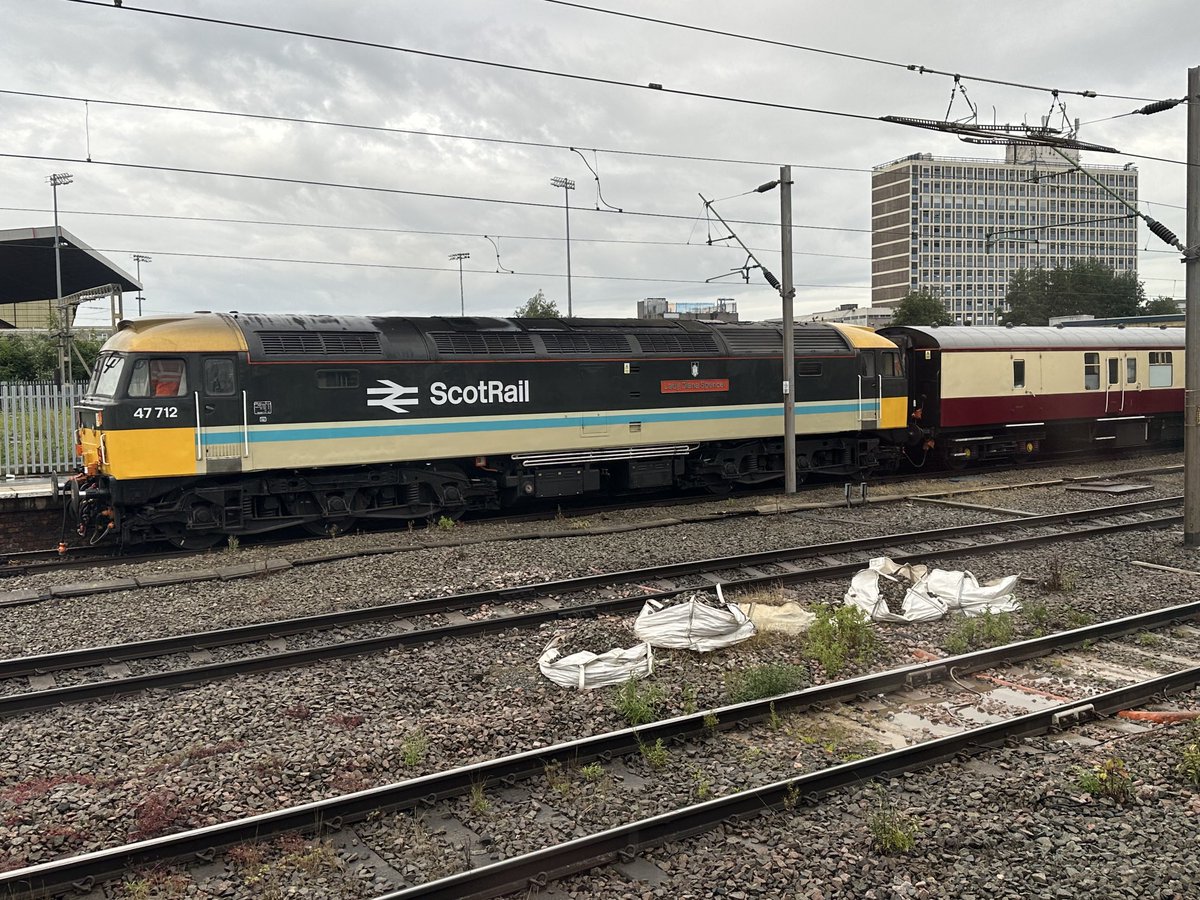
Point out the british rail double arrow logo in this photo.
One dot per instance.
(397, 397)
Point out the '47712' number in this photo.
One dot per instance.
(156, 412)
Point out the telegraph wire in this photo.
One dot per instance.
(920, 70)
(267, 117)
(383, 230)
(279, 179)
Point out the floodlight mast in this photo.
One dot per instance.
(64, 347)
(462, 303)
(567, 185)
(140, 258)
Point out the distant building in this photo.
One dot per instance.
(959, 228)
(721, 310)
(852, 314)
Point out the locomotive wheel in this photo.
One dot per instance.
(194, 541)
(330, 529)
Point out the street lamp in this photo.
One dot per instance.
(462, 304)
(64, 357)
(567, 185)
(140, 258)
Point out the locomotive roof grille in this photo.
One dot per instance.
(770, 340)
(576, 342)
(320, 343)
(464, 343)
(678, 342)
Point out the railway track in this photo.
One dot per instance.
(928, 713)
(546, 601)
(34, 562)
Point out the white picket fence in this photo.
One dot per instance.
(37, 429)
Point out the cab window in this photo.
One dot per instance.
(158, 378)
(218, 377)
(106, 375)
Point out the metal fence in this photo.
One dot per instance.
(37, 431)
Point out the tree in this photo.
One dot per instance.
(34, 357)
(537, 307)
(921, 308)
(1161, 306)
(1085, 287)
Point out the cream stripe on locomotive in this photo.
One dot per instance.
(336, 443)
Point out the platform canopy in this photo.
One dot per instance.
(27, 266)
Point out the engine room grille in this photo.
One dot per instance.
(768, 340)
(319, 343)
(679, 342)
(472, 343)
(568, 342)
(752, 340)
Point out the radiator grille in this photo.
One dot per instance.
(320, 343)
(475, 343)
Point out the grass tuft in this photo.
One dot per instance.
(1109, 779)
(765, 681)
(638, 702)
(978, 632)
(838, 636)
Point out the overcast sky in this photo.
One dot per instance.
(373, 252)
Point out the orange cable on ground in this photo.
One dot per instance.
(1162, 717)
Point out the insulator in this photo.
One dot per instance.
(1160, 106)
(771, 279)
(1163, 232)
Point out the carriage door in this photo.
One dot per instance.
(870, 390)
(1114, 388)
(223, 428)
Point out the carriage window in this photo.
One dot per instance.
(1161, 374)
(1130, 370)
(1018, 373)
(1091, 371)
(1114, 371)
(158, 378)
(329, 379)
(218, 377)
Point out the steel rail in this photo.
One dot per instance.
(103, 655)
(14, 704)
(535, 870)
(331, 814)
(8, 568)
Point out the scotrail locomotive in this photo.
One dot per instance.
(196, 427)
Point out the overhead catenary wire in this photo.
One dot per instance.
(385, 230)
(398, 266)
(390, 190)
(593, 79)
(514, 67)
(386, 129)
(775, 42)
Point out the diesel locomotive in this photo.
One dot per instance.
(196, 427)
